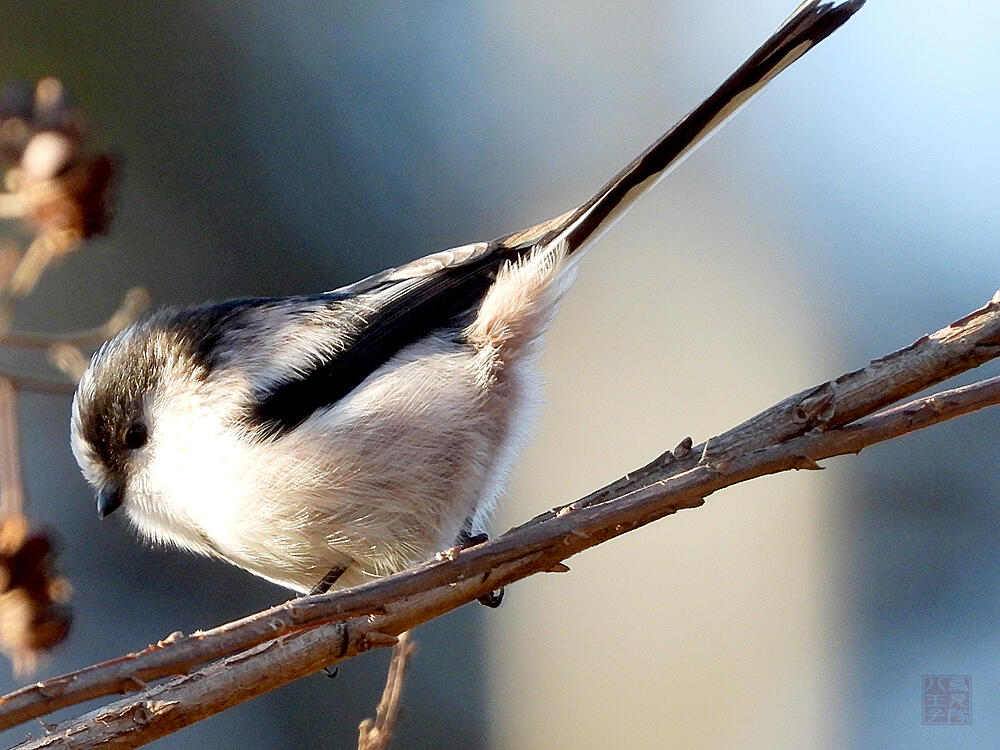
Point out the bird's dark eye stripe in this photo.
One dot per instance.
(136, 436)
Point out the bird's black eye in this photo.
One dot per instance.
(136, 436)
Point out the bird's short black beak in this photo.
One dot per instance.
(108, 500)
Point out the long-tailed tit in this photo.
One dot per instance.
(332, 437)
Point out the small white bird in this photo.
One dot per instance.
(325, 439)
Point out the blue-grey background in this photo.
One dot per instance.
(272, 148)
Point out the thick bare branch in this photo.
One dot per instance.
(818, 423)
(961, 346)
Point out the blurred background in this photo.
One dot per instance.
(275, 148)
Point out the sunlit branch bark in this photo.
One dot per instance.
(272, 648)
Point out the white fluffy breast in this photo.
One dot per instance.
(382, 480)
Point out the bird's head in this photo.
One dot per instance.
(120, 403)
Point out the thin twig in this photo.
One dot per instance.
(374, 734)
(11, 478)
(10, 257)
(136, 300)
(800, 431)
(66, 352)
(38, 385)
(40, 253)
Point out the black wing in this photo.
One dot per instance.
(382, 315)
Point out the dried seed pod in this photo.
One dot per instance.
(64, 191)
(33, 618)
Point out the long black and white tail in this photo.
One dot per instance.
(539, 269)
(810, 24)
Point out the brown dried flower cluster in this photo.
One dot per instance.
(60, 192)
(33, 616)
(61, 188)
